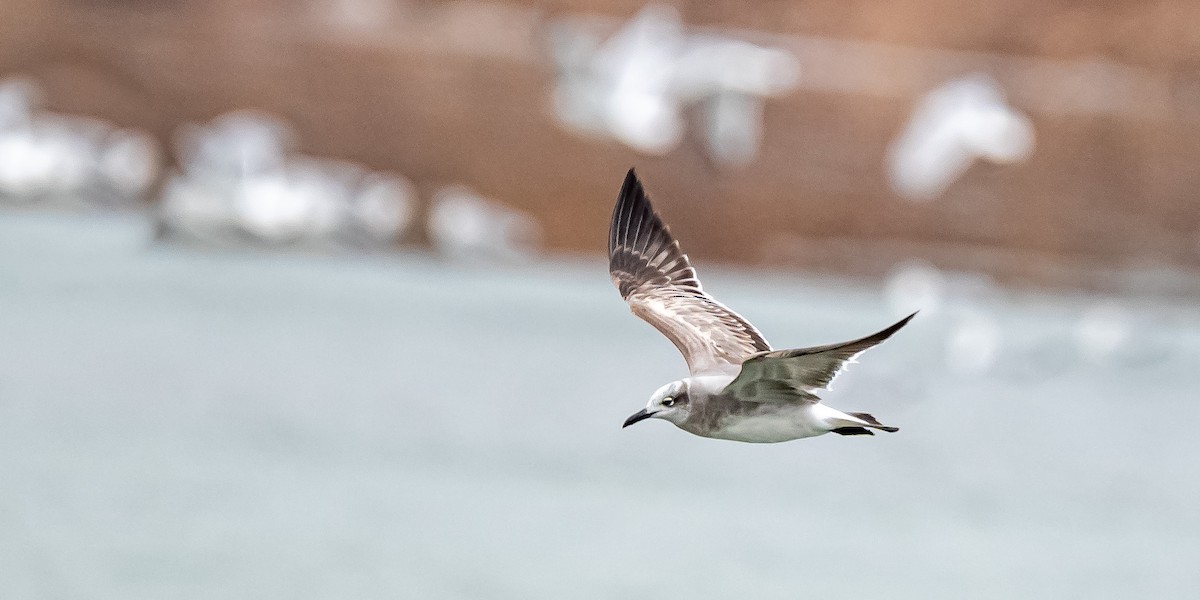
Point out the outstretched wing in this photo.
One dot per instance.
(660, 285)
(794, 375)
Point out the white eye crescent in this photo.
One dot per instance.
(668, 401)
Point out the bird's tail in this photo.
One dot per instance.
(860, 428)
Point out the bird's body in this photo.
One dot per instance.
(770, 423)
(740, 388)
(717, 414)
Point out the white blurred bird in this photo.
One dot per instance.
(241, 175)
(635, 85)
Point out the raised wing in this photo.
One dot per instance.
(660, 285)
(794, 375)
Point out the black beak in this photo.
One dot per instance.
(640, 415)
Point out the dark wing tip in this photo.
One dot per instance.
(635, 227)
(875, 338)
(901, 323)
(631, 188)
(844, 350)
(641, 249)
(630, 201)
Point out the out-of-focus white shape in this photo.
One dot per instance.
(26, 166)
(233, 176)
(634, 71)
(383, 206)
(711, 64)
(732, 123)
(240, 173)
(272, 207)
(1103, 330)
(44, 154)
(51, 155)
(464, 225)
(237, 144)
(129, 160)
(34, 154)
(915, 285)
(326, 186)
(634, 85)
(954, 125)
(187, 202)
(18, 96)
(75, 143)
(973, 342)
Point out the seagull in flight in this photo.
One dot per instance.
(738, 388)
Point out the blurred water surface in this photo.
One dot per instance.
(175, 424)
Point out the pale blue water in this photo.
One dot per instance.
(175, 424)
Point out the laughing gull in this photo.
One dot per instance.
(739, 388)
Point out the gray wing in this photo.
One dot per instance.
(794, 375)
(660, 285)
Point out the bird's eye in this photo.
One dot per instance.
(668, 401)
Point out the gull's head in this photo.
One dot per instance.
(668, 402)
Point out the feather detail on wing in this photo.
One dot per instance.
(768, 376)
(655, 277)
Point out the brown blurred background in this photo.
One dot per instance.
(459, 92)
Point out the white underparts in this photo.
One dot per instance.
(788, 423)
